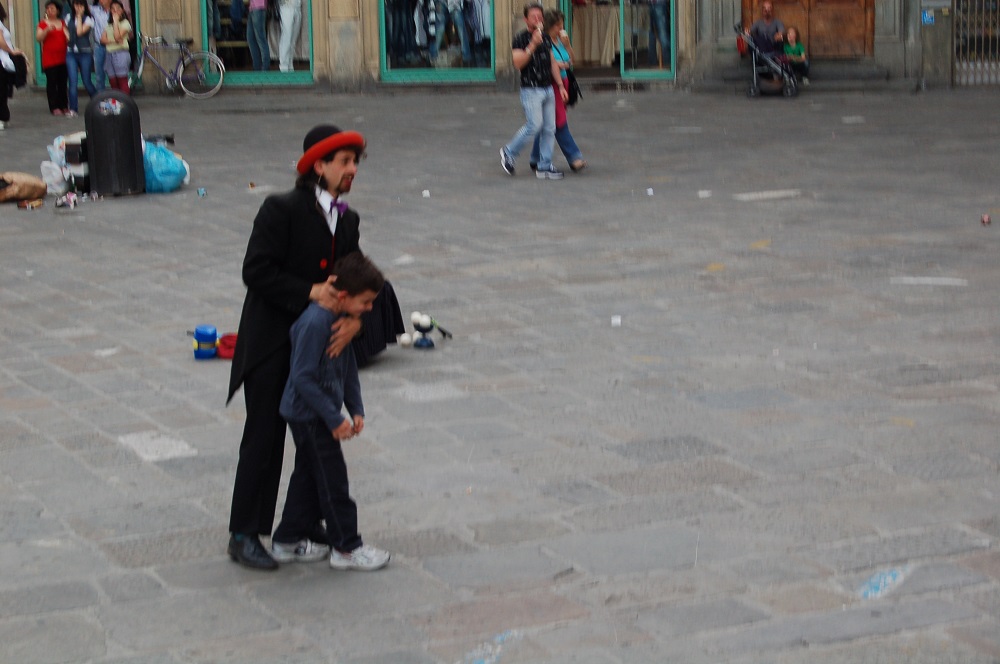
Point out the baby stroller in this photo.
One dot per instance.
(771, 72)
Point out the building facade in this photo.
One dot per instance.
(353, 44)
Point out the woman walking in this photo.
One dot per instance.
(53, 35)
(562, 53)
(79, 54)
(6, 68)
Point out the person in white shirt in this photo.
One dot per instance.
(6, 68)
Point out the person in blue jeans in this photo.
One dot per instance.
(451, 10)
(100, 11)
(79, 53)
(260, 54)
(659, 31)
(562, 52)
(531, 53)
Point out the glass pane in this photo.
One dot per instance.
(438, 34)
(249, 36)
(647, 28)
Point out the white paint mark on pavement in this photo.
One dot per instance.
(853, 119)
(106, 352)
(928, 281)
(704, 193)
(773, 195)
(154, 446)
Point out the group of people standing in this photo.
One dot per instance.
(83, 46)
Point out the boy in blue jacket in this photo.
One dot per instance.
(318, 388)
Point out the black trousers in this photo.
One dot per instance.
(6, 81)
(318, 488)
(258, 472)
(57, 87)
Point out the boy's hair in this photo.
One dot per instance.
(357, 274)
(533, 5)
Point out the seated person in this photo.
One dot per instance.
(795, 51)
(768, 33)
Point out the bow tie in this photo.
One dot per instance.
(340, 206)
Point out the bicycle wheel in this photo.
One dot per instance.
(201, 74)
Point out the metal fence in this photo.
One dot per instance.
(977, 42)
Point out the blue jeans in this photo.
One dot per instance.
(260, 55)
(658, 31)
(540, 120)
(566, 143)
(82, 63)
(100, 77)
(458, 19)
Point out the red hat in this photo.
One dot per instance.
(324, 139)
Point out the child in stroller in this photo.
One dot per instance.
(772, 72)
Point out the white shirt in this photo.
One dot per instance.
(326, 201)
(5, 60)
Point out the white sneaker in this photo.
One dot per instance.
(364, 558)
(303, 551)
(2, 126)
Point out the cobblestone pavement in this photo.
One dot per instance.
(728, 395)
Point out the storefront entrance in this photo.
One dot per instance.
(828, 28)
(268, 48)
(626, 39)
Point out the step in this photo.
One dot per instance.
(824, 76)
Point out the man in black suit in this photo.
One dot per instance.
(296, 239)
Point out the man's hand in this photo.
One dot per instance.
(324, 294)
(536, 38)
(359, 424)
(341, 333)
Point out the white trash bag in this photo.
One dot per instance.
(56, 178)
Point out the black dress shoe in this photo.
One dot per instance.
(249, 552)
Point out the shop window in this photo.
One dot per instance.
(438, 34)
(259, 35)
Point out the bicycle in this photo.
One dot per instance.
(198, 73)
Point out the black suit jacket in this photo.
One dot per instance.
(290, 249)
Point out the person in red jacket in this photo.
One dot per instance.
(53, 35)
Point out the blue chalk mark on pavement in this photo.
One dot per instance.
(491, 651)
(881, 583)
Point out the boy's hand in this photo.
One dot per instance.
(359, 424)
(341, 334)
(344, 431)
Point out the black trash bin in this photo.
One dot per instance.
(114, 144)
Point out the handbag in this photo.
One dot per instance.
(573, 88)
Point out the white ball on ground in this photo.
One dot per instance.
(425, 321)
(405, 340)
(415, 318)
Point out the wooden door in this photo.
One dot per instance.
(829, 28)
